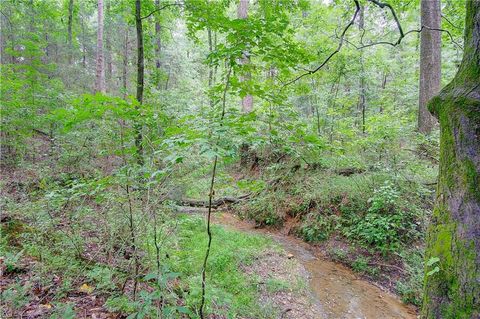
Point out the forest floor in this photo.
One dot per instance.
(291, 279)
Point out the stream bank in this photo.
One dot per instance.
(338, 291)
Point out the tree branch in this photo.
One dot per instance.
(394, 44)
(162, 8)
(340, 44)
(450, 23)
(399, 26)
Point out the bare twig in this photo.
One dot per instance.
(450, 23)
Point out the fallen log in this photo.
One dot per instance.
(349, 171)
(215, 204)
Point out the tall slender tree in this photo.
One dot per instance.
(69, 30)
(247, 101)
(108, 46)
(100, 68)
(430, 61)
(125, 63)
(140, 77)
(362, 89)
(158, 46)
(452, 283)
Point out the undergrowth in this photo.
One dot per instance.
(379, 211)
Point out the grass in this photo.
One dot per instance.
(229, 290)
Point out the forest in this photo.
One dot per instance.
(240, 159)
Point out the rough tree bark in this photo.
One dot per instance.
(247, 101)
(100, 69)
(454, 232)
(430, 62)
(140, 77)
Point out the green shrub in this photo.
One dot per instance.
(375, 230)
(317, 228)
(339, 254)
(361, 264)
(63, 311)
(386, 224)
(265, 210)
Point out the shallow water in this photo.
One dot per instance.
(338, 290)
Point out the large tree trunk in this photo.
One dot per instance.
(247, 101)
(140, 77)
(100, 69)
(454, 233)
(430, 62)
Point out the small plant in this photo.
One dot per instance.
(339, 254)
(375, 230)
(63, 311)
(384, 199)
(361, 264)
(12, 261)
(16, 296)
(103, 278)
(318, 228)
(411, 288)
(264, 212)
(275, 285)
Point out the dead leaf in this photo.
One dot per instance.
(86, 289)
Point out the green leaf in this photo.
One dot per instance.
(433, 261)
(433, 271)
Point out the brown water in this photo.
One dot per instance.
(339, 291)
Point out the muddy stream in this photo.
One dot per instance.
(339, 292)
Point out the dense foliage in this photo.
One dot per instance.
(335, 153)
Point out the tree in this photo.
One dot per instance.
(452, 288)
(69, 30)
(140, 77)
(430, 61)
(100, 69)
(108, 45)
(362, 97)
(158, 46)
(247, 100)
